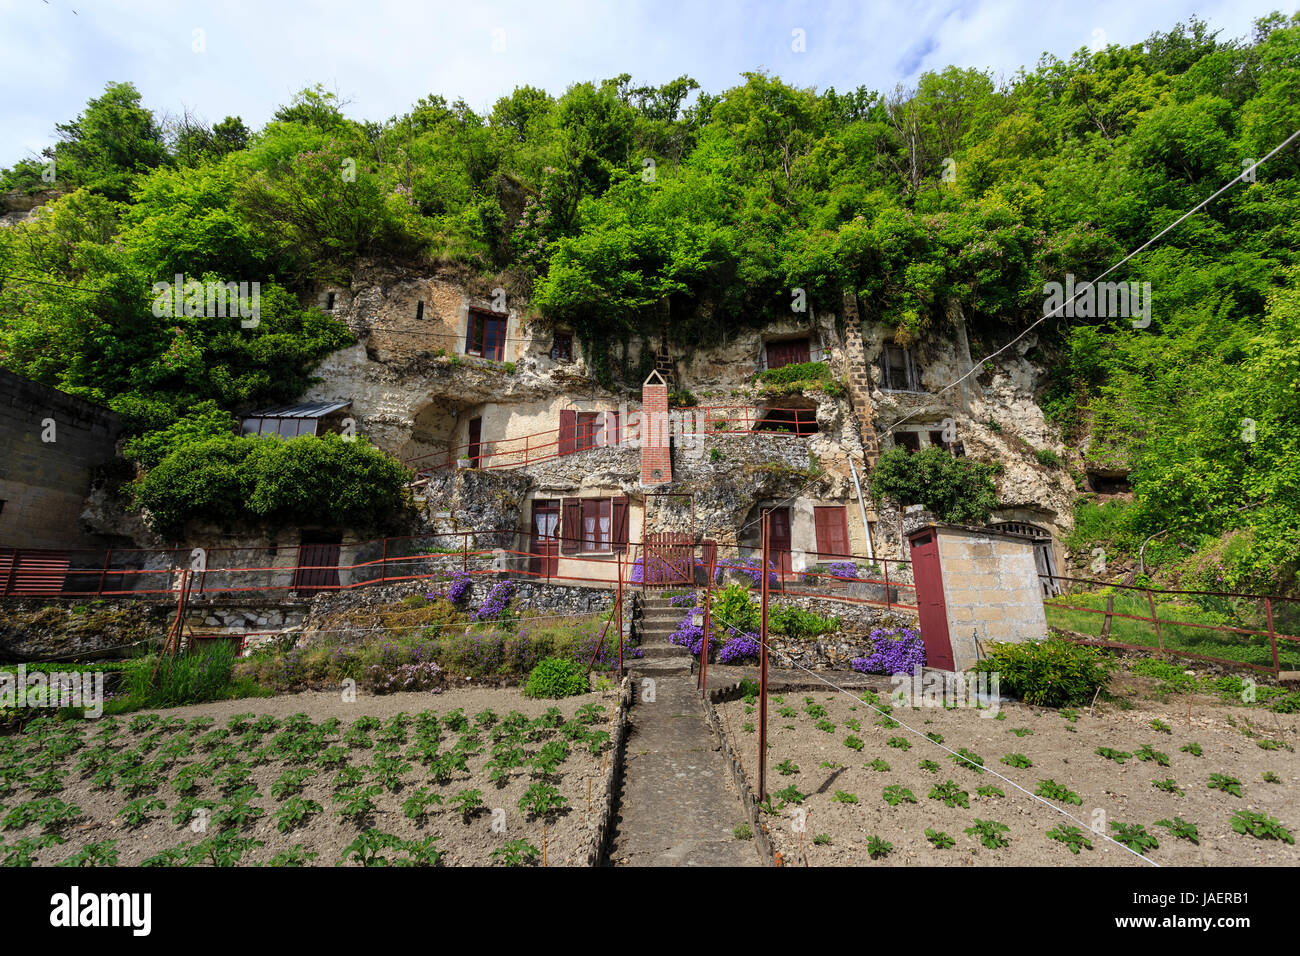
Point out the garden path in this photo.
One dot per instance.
(677, 803)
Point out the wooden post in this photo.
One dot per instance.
(383, 568)
(1272, 637)
(1110, 609)
(1151, 603)
(762, 671)
(885, 562)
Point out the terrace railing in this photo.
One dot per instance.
(553, 443)
(264, 573)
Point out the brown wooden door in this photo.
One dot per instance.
(779, 539)
(791, 352)
(545, 538)
(930, 605)
(475, 441)
(318, 564)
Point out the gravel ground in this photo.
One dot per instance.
(1060, 750)
(466, 841)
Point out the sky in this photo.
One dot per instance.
(235, 57)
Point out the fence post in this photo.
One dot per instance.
(108, 557)
(702, 679)
(888, 604)
(464, 551)
(762, 672)
(618, 602)
(383, 572)
(1151, 603)
(1272, 637)
(1110, 609)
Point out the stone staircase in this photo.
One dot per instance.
(657, 622)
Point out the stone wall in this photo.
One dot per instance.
(52, 445)
(991, 589)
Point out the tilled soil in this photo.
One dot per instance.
(465, 841)
(1060, 750)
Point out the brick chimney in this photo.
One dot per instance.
(656, 449)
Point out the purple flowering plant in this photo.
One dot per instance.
(459, 589)
(494, 605)
(895, 650)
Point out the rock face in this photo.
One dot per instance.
(40, 631)
(481, 425)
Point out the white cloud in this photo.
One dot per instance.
(385, 54)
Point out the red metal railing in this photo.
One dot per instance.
(545, 445)
(249, 573)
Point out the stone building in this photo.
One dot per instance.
(505, 423)
(53, 443)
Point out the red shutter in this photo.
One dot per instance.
(611, 428)
(568, 431)
(619, 524)
(571, 525)
(832, 531)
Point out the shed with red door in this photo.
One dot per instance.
(974, 586)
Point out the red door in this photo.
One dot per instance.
(779, 540)
(318, 563)
(546, 541)
(931, 609)
(790, 352)
(475, 441)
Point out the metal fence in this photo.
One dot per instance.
(1257, 632)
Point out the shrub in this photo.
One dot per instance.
(799, 624)
(556, 677)
(304, 480)
(960, 490)
(1051, 673)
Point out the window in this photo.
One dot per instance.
(562, 347)
(900, 371)
(419, 310)
(788, 352)
(936, 439)
(486, 336)
(329, 302)
(832, 531)
(591, 430)
(582, 430)
(597, 525)
(909, 440)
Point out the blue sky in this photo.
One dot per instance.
(245, 58)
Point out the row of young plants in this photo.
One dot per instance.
(992, 834)
(209, 770)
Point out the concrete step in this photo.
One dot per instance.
(656, 651)
(657, 666)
